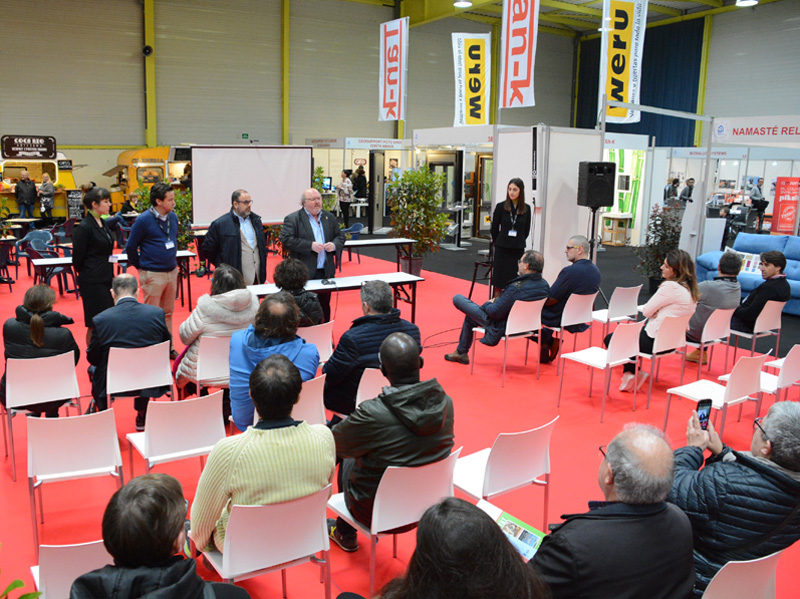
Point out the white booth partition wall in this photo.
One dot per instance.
(629, 153)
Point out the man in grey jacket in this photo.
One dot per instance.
(723, 293)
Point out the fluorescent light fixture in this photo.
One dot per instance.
(744, 3)
(467, 3)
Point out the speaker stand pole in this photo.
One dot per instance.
(592, 243)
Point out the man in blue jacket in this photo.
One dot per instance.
(527, 287)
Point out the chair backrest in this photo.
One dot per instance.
(132, 368)
(300, 525)
(745, 378)
(40, 234)
(199, 426)
(355, 230)
(718, 325)
(73, 447)
(790, 371)
(578, 309)
(624, 302)
(624, 342)
(524, 317)
(39, 245)
(518, 458)
(213, 355)
(404, 493)
(770, 317)
(320, 335)
(752, 579)
(38, 380)
(60, 565)
(671, 334)
(371, 384)
(310, 407)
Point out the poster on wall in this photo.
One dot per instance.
(518, 53)
(784, 210)
(393, 70)
(472, 62)
(621, 57)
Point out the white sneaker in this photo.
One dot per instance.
(640, 380)
(626, 383)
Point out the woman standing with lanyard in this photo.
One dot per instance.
(92, 244)
(511, 224)
(345, 191)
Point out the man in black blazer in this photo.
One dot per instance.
(127, 324)
(312, 235)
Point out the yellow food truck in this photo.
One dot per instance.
(145, 167)
(60, 171)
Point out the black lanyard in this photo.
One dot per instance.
(159, 221)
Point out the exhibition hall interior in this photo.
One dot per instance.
(336, 261)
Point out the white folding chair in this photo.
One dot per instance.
(577, 310)
(402, 497)
(788, 375)
(716, 330)
(34, 381)
(670, 337)
(515, 460)
(310, 407)
(60, 565)
(744, 381)
(320, 335)
(754, 579)
(524, 319)
(264, 538)
(622, 306)
(371, 384)
(135, 368)
(69, 448)
(768, 323)
(179, 430)
(213, 356)
(624, 344)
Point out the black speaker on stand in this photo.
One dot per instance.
(596, 190)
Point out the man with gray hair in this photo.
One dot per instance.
(743, 504)
(358, 347)
(632, 545)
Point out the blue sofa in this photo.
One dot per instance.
(756, 244)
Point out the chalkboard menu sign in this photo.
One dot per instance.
(65, 165)
(75, 203)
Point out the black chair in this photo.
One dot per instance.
(5, 255)
(21, 248)
(486, 263)
(44, 274)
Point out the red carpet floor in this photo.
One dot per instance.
(73, 510)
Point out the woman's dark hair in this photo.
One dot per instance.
(226, 278)
(94, 196)
(521, 207)
(291, 274)
(462, 554)
(38, 300)
(681, 262)
(277, 317)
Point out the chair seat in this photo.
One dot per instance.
(49, 478)
(697, 344)
(769, 382)
(215, 558)
(470, 471)
(482, 331)
(705, 389)
(776, 364)
(338, 506)
(137, 441)
(752, 335)
(593, 356)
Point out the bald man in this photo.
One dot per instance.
(631, 545)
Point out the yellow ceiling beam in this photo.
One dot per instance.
(567, 21)
(421, 12)
(711, 3)
(594, 12)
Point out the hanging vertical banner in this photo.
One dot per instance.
(472, 60)
(784, 209)
(621, 56)
(393, 70)
(518, 52)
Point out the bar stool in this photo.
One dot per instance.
(486, 262)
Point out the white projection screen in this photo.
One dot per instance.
(275, 177)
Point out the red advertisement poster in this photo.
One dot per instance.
(784, 210)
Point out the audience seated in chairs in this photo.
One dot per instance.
(775, 287)
(143, 530)
(291, 275)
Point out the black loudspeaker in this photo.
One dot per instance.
(596, 184)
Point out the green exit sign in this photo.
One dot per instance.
(245, 136)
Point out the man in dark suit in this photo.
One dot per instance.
(312, 236)
(127, 324)
(237, 239)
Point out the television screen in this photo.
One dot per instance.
(327, 183)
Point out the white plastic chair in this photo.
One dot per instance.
(179, 430)
(371, 384)
(624, 344)
(34, 381)
(577, 310)
(754, 579)
(135, 368)
(69, 448)
(768, 323)
(670, 337)
(310, 407)
(264, 538)
(622, 306)
(60, 565)
(788, 375)
(515, 460)
(524, 319)
(716, 330)
(744, 381)
(403, 495)
(213, 356)
(320, 335)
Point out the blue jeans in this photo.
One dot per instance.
(26, 211)
(475, 317)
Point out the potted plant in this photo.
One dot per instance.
(663, 234)
(414, 200)
(328, 200)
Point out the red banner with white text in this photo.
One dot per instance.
(393, 70)
(784, 210)
(518, 53)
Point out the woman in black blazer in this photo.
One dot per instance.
(92, 244)
(511, 224)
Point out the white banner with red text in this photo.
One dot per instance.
(472, 59)
(392, 90)
(518, 53)
(776, 131)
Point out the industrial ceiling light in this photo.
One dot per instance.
(462, 4)
(744, 3)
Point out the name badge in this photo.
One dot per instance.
(512, 233)
(169, 245)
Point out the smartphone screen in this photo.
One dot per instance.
(703, 411)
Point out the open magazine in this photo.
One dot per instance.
(525, 538)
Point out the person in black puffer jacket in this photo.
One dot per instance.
(292, 275)
(36, 332)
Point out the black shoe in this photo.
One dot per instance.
(457, 357)
(173, 355)
(140, 417)
(348, 544)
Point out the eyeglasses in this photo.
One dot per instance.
(602, 449)
(757, 423)
(245, 202)
(570, 247)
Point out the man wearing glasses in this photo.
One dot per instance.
(743, 504)
(237, 239)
